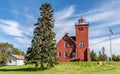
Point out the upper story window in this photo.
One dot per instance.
(81, 28)
(59, 54)
(82, 44)
(66, 45)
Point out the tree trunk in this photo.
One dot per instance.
(41, 66)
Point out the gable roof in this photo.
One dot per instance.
(20, 57)
(70, 37)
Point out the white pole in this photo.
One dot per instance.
(110, 48)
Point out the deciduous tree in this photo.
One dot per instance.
(93, 56)
(5, 50)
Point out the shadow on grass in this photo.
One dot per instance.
(23, 69)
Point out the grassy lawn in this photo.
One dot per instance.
(66, 68)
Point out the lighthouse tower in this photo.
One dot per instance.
(82, 45)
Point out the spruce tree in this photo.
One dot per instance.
(42, 50)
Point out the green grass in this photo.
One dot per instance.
(66, 68)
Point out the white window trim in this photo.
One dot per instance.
(82, 44)
(65, 54)
(59, 54)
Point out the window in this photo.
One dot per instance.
(72, 47)
(65, 38)
(81, 28)
(81, 44)
(65, 45)
(59, 54)
(65, 54)
(73, 55)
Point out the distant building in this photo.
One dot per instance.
(71, 48)
(16, 60)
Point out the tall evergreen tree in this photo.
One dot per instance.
(42, 49)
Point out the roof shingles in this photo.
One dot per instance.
(20, 57)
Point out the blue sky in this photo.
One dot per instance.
(17, 18)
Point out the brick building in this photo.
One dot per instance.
(71, 48)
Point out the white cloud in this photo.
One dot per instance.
(62, 23)
(10, 27)
(106, 13)
(28, 30)
(65, 13)
(23, 40)
(100, 18)
(98, 40)
(64, 26)
(13, 28)
(98, 43)
(30, 17)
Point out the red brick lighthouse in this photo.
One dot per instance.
(71, 48)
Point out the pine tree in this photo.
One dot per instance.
(42, 50)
